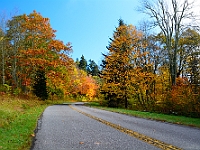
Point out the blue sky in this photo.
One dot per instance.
(87, 24)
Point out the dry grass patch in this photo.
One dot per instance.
(18, 119)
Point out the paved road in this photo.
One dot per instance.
(63, 128)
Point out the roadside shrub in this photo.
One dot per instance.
(5, 88)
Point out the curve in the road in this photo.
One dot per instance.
(147, 139)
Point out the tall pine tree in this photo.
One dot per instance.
(93, 68)
(118, 64)
(83, 63)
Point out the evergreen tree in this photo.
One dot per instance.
(82, 63)
(93, 68)
(39, 87)
(117, 66)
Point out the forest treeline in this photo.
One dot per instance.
(156, 72)
(136, 74)
(33, 61)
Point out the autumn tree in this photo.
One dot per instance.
(33, 46)
(82, 84)
(170, 17)
(118, 64)
(2, 56)
(3, 43)
(189, 57)
(15, 36)
(153, 46)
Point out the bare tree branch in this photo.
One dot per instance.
(170, 17)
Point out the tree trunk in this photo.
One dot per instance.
(3, 61)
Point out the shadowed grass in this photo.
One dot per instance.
(194, 122)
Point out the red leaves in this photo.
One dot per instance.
(37, 47)
(82, 84)
(58, 46)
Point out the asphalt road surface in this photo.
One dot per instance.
(64, 127)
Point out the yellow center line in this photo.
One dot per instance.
(147, 139)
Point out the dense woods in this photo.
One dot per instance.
(35, 62)
(156, 72)
(136, 73)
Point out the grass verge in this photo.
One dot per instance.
(194, 122)
(18, 119)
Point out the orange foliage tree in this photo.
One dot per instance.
(36, 47)
(83, 85)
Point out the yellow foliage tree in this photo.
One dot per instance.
(119, 63)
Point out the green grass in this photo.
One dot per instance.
(194, 122)
(18, 120)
